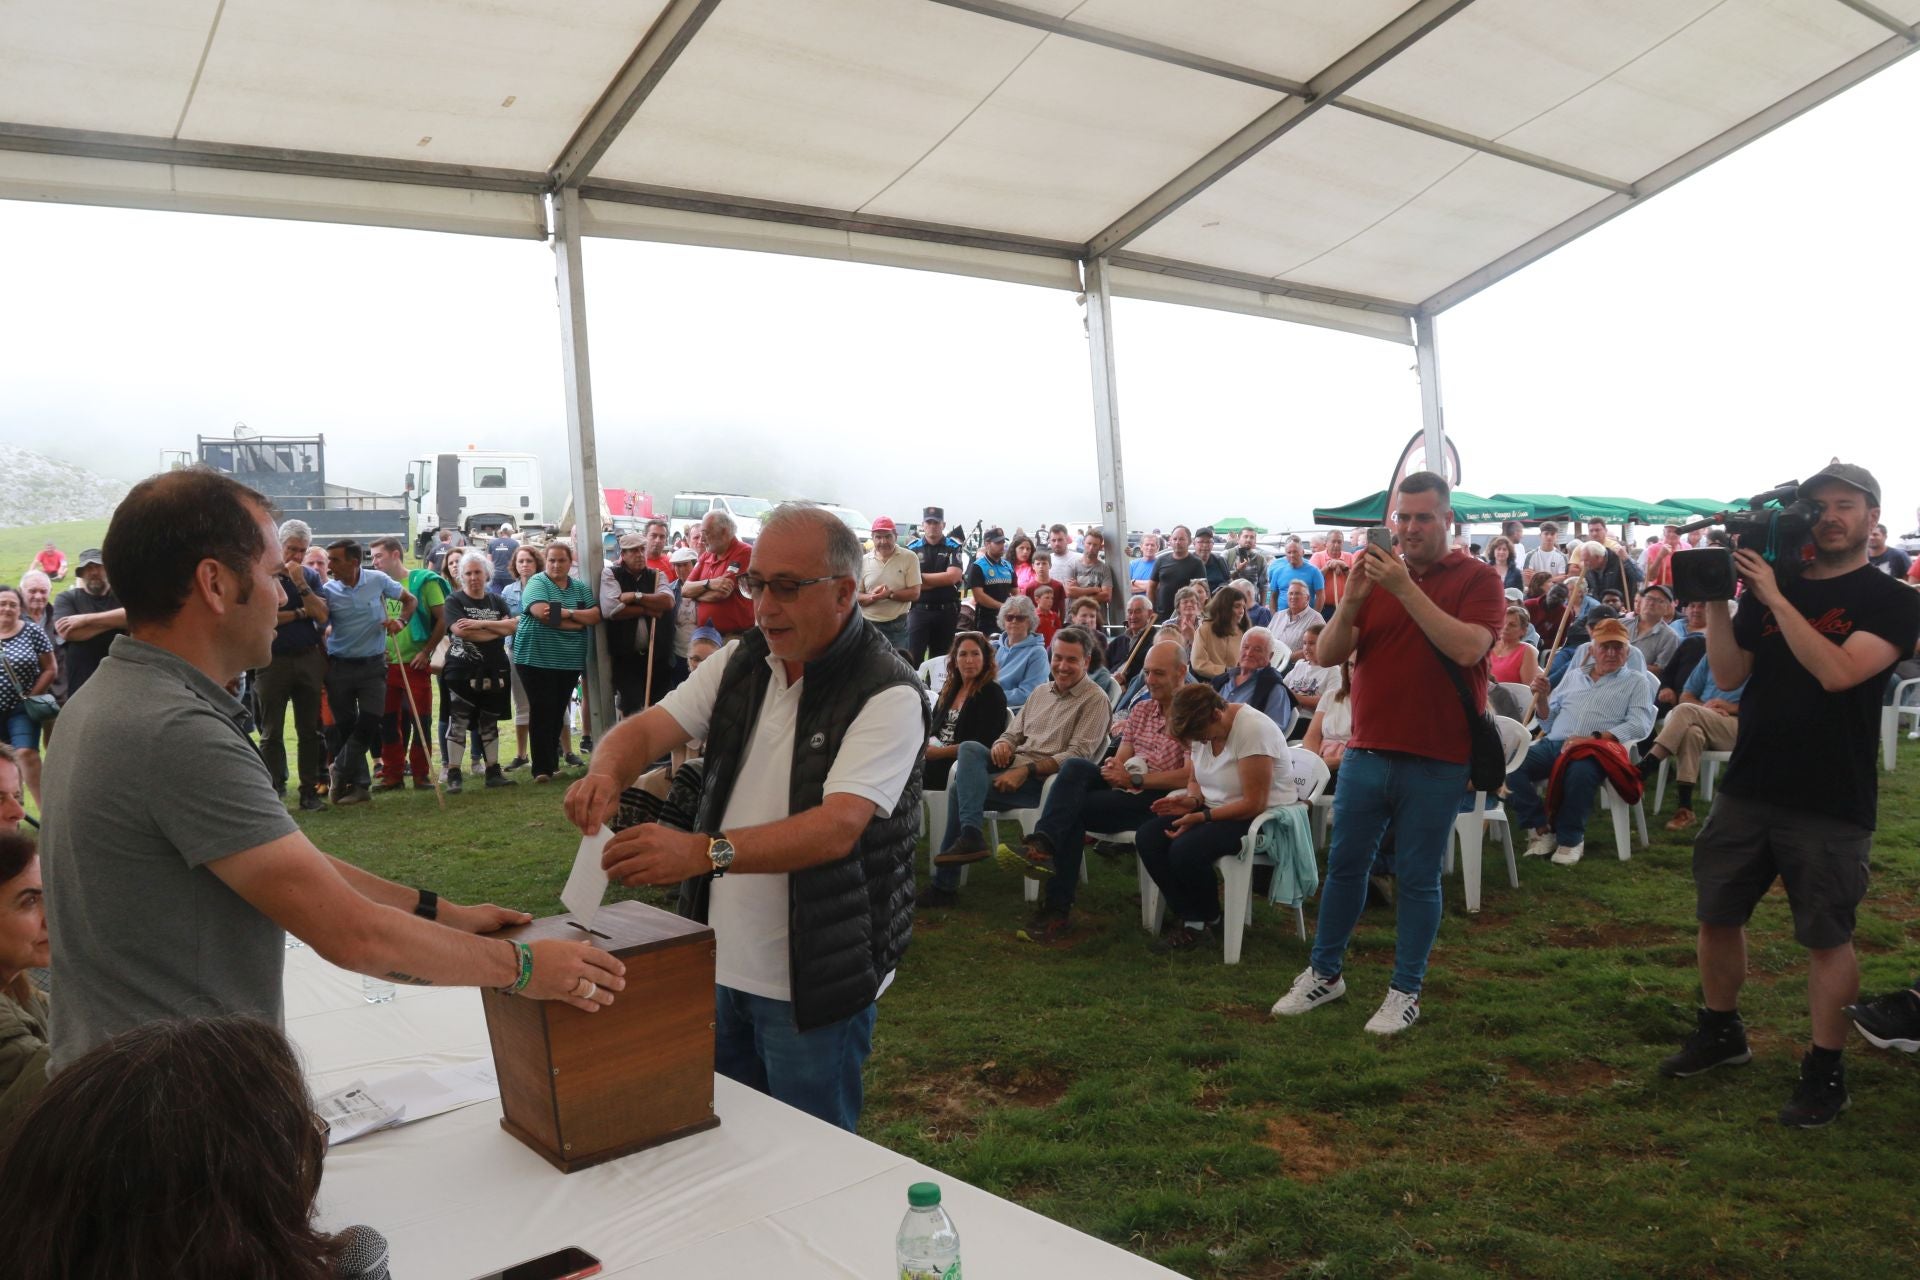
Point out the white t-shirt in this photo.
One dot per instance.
(749, 912)
(1304, 677)
(1252, 734)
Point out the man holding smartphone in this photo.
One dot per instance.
(1799, 797)
(1401, 618)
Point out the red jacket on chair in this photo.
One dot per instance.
(1612, 758)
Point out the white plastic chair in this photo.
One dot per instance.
(1524, 692)
(1236, 874)
(1470, 828)
(933, 672)
(933, 810)
(1892, 714)
(1025, 820)
(1309, 768)
(1617, 807)
(1710, 762)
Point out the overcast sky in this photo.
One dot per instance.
(1736, 331)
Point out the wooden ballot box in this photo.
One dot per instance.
(582, 1088)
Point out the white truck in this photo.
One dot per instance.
(689, 509)
(475, 492)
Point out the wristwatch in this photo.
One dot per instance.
(720, 851)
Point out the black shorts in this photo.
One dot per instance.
(1747, 844)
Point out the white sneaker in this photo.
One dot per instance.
(1396, 1013)
(1541, 845)
(1309, 992)
(1568, 854)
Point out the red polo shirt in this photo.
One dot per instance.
(1402, 699)
(735, 613)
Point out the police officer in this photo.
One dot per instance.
(936, 614)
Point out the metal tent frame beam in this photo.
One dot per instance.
(655, 55)
(1843, 77)
(1276, 121)
(1106, 421)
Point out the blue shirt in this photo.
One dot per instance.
(1139, 571)
(358, 614)
(1281, 576)
(1700, 684)
(1620, 704)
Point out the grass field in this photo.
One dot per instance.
(19, 546)
(1518, 1129)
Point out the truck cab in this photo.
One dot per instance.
(474, 492)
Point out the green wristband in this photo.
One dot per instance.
(525, 955)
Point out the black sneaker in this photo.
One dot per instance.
(1819, 1098)
(1709, 1047)
(969, 846)
(518, 762)
(1889, 1021)
(353, 794)
(398, 784)
(311, 802)
(935, 896)
(453, 782)
(574, 760)
(1182, 937)
(495, 778)
(1049, 924)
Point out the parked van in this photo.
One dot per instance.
(689, 509)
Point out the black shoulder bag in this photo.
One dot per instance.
(1486, 753)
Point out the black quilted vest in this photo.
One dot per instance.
(848, 921)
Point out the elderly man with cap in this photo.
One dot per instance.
(935, 614)
(86, 618)
(1603, 698)
(1799, 799)
(889, 584)
(633, 603)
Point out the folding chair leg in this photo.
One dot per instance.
(1471, 831)
(1640, 821)
(1149, 899)
(1708, 768)
(1300, 918)
(1238, 894)
(1622, 836)
(1889, 730)
(1506, 842)
(1660, 784)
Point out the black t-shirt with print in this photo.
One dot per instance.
(468, 657)
(1170, 573)
(1800, 745)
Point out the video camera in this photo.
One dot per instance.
(1776, 525)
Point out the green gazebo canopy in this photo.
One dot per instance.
(1698, 507)
(1372, 509)
(1630, 510)
(1234, 524)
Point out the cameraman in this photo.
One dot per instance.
(1800, 792)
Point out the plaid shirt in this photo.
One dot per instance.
(1146, 733)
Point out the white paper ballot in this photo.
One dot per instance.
(587, 883)
(352, 1111)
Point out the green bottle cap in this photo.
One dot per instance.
(923, 1195)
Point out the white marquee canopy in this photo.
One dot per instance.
(1359, 164)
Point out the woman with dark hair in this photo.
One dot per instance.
(525, 564)
(1020, 551)
(1217, 643)
(1500, 556)
(23, 1010)
(181, 1149)
(26, 669)
(972, 706)
(1234, 774)
(550, 649)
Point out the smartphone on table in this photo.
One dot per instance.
(570, 1263)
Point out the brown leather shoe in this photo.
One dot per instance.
(1682, 820)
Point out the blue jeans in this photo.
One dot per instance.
(1420, 798)
(970, 794)
(1082, 801)
(817, 1071)
(22, 732)
(1578, 786)
(895, 632)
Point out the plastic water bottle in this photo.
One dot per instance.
(928, 1246)
(377, 990)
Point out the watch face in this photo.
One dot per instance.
(722, 853)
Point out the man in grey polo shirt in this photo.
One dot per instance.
(171, 864)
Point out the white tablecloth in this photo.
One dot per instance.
(770, 1192)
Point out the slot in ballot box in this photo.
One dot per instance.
(583, 1088)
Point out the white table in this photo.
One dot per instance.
(770, 1192)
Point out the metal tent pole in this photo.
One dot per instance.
(1432, 417)
(1106, 426)
(583, 464)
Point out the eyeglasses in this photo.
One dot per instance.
(785, 590)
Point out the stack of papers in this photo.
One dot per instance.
(360, 1108)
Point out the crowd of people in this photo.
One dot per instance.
(807, 690)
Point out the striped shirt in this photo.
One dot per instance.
(537, 644)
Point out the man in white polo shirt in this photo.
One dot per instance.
(889, 583)
(802, 852)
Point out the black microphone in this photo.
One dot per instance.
(363, 1254)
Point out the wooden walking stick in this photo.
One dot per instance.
(406, 686)
(653, 656)
(1575, 594)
